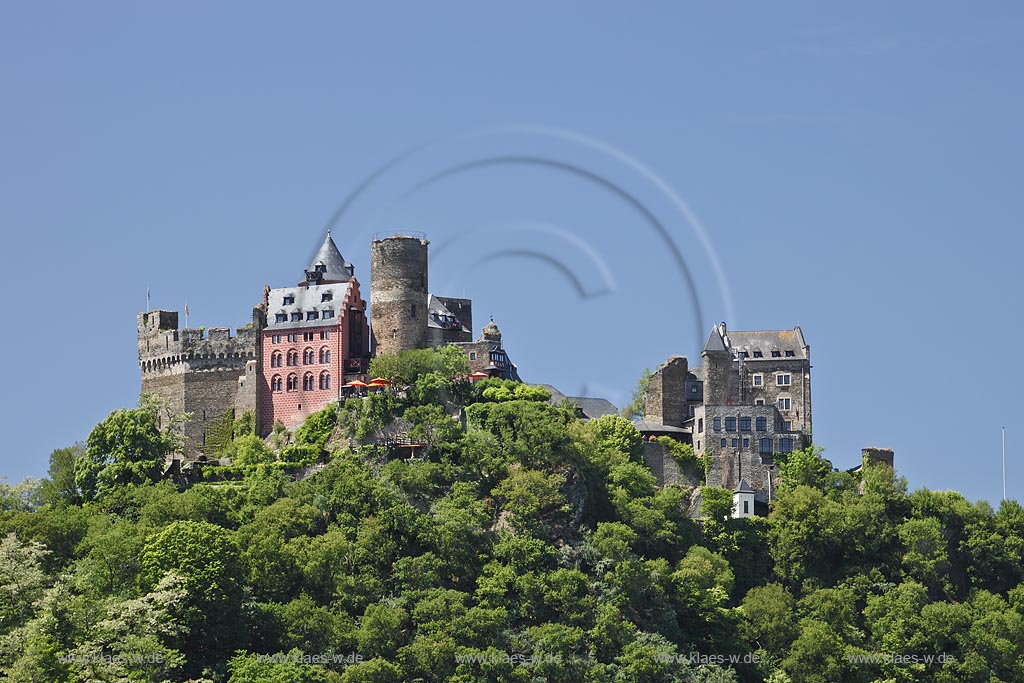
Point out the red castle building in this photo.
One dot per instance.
(316, 339)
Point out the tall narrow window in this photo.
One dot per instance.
(275, 359)
(325, 380)
(307, 382)
(325, 355)
(764, 446)
(784, 403)
(275, 383)
(307, 357)
(293, 382)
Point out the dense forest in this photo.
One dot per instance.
(518, 544)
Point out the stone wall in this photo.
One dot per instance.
(398, 293)
(663, 465)
(203, 372)
(665, 399)
(740, 457)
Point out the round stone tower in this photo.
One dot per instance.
(398, 291)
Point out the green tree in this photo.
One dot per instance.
(715, 503)
(22, 578)
(60, 487)
(125, 448)
(617, 433)
(207, 559)
(803, 468)
(529, 496)
(769, 618)
(635, 407)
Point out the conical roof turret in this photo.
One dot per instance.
(329, 265)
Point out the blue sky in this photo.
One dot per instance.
(853, 169)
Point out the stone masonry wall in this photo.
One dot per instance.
(665, 399)
(206, 373)
(398, 293)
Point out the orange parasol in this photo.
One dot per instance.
(356, 383)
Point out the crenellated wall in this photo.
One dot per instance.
(203, 372)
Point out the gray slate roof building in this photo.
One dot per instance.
(439, 317)
(313, 306)
(753, 345)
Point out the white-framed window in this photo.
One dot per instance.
(758, 401)
(783, 379)
(784, 403)
(757, 380)
(472, 355)
(787, 426)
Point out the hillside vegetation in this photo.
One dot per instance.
(520, 545)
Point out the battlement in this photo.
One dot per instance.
(163, 348)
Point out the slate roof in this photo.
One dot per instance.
(306, 299)
(764, 341)
(589, 407)
(337, 268)
(437, 313)
(743, 487)
(645, 427)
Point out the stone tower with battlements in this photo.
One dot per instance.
(208, 373)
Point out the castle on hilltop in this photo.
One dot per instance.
(749, 399)
(307, 342)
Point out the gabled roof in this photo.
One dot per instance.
(438, 316)
(764, 341)
(743, 487)
(336, 268)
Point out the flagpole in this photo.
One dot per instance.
(1004, 463)
(147, 299)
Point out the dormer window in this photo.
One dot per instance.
(328, 313)
(790, 354)
(296, 317)
(744, 354)
(326, 296)
(758, 354)
(289, 299)
(312, 315)
(282, 317)
(776, 354)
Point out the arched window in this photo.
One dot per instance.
(275, 383)
(275, 359)
(293, 357)
(307, 382)
(325, 355)
(325, 380)
(307, 357)
(293, 382)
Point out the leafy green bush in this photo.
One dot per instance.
(317, 428)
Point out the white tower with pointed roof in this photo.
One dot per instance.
(743, 500)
